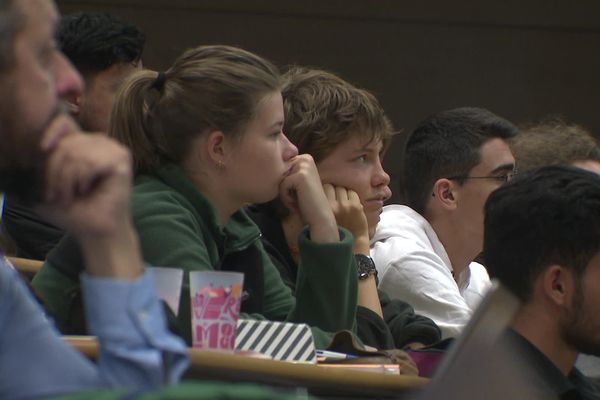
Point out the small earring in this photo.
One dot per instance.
(220, 164)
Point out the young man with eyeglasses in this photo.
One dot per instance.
(424, 250)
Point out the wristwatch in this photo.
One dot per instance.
(365, 267)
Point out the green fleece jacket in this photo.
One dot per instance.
(178, 227)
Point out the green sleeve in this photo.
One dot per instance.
(58, 285)
(326, 288)
(279, 301)
(60, 294)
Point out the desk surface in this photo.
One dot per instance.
(214, 365)
(25, 265)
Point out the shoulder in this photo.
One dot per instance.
(477, 286)
(152, 197)
(402, 235)
(410, 264)
(397, 212)
(148, 187)
(479, 275)
(401, 223)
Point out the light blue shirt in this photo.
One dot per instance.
(136, 349)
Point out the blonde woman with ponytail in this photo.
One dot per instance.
(206, 139)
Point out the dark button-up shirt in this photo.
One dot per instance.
(575, 386)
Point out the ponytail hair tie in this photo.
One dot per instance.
(159, 82)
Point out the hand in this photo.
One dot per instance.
(88, 180)
(348, 212)
(301, 192)
(407, 365)
(87, 190)
(414, 346)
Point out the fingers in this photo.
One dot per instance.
(76, 178)
(77, 162)
(353, 197)
(406, 363)
(301, 190)
(408, 368)
(287, 188)
(341, 193)
(61, 171)
(288, 196)
(342, 200)
(348, 211)
(60, 127)
(329, 191)
(303, 172)
(88, 179)
(57, 170)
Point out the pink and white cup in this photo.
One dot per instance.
(216, 297)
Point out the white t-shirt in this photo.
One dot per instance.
(413, 266)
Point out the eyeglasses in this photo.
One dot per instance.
(499, 178)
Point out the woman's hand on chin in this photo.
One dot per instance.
(301, 191)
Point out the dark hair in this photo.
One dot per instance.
(549, 216)
(94, 42)
(322, 111)
(207, 88)
(12, 21)
(447, 144)
(553, 141)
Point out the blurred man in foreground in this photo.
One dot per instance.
(80, 182)
(104, 50)
(542, 241)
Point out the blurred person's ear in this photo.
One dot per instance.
(74, 102)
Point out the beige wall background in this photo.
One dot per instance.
(521, 59)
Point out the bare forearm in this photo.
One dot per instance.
(367, 288)
(325, 230)
(367, 295)
(114, 255)
(361, 245)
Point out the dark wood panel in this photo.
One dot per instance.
(520, 59)
(548, 13)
